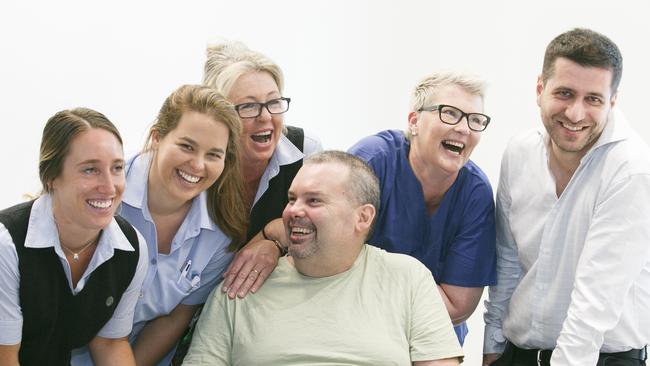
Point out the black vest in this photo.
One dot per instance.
(54, 320)
(273, 201)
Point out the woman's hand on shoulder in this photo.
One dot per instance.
(251, 267)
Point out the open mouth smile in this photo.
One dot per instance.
(453, 146)
(262, 137)
(189, 178)
(101, 204)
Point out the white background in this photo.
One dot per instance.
(349, 65)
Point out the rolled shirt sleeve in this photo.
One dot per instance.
(11, 318)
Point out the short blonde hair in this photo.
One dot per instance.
(227, 62)
(427, 87)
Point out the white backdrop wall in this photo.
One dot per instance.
(349, 65)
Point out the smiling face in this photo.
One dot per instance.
(260, 134)
(442, 147)
(87, 192)
(320, 214)
(574, 104)
(189, 159)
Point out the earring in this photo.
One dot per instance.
(414, 130)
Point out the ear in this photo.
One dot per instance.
(539, 89)
(412, 119)
(155, 139)
(612, 100)
(365, 215)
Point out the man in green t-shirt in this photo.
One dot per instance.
(334, 300)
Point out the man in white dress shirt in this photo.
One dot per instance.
(573, 222)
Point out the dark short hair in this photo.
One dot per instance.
(58, 133)
(362, 181)
(586, 48)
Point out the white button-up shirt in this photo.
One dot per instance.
(42, 233)
(574, 271)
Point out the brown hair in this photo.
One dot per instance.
(58, 133)
(226, 196)
(586, 48)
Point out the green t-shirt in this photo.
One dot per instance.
(384, 310)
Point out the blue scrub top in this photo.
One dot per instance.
(456, 242)
(199, 242)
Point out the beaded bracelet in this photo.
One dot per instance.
(283, 250)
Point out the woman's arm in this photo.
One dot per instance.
(111, 351)
(444, 362)
(160, 335)
(9, 355)
(460, 301)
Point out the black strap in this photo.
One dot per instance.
(128, 231)
(297, 137)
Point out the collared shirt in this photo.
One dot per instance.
(42, 233)
(457, 242)
(574, 271)
(286, 153)
(197, 258)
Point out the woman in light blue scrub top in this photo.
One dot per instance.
(184, 194)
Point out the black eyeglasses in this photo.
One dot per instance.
(252, 110)
(452, 115)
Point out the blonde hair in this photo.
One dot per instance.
(427, 87)
(226, 62)
(226, 196)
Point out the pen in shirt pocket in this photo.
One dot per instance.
(185, 270)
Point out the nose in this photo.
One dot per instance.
(575, 112)
(294, 209)
(462, 127)
(106, 183)
(264, 116)
(196, 163)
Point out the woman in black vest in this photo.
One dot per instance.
(271, 154)
(70, 272)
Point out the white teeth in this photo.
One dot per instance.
(263, 134)
(572, 128)
(188, 177)
(100, 203)
(301, 230)
(459, 145)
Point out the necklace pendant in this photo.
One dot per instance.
(75, 256)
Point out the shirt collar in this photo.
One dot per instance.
(137, 174)
(135, 195)
(285, 152)
(42, 231)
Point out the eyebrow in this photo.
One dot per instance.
(254, 100)
(95, 161)
(192, 142)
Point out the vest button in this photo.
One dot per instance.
(109, 301)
